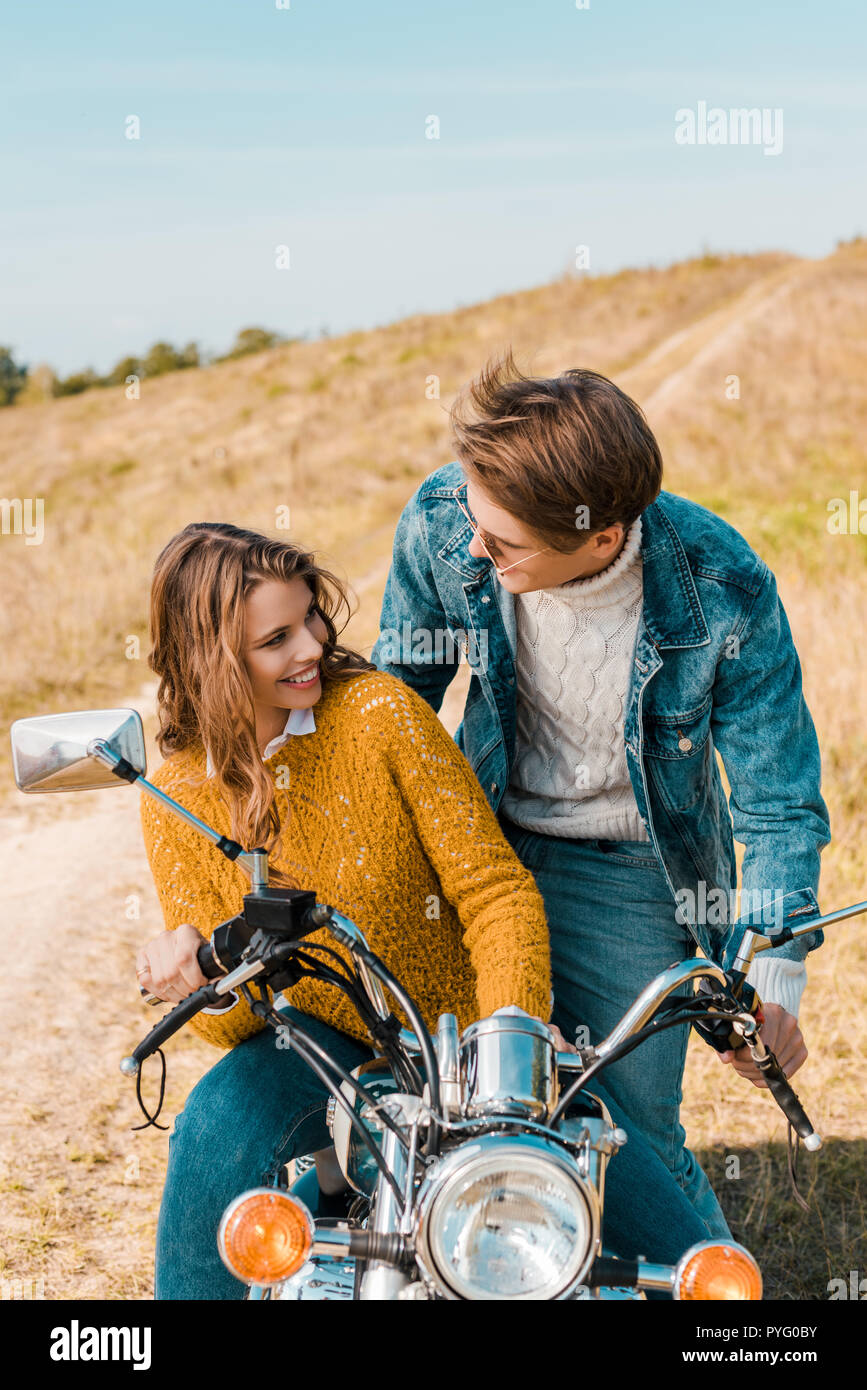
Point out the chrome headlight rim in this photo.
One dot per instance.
(530, 1151)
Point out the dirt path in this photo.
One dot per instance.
(77, 1184)
(665, 372)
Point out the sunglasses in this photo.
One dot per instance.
(491, 548)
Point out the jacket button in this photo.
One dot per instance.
(684, 744)
(493, 789)
(486, 598)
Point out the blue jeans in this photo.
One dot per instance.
(611, 919)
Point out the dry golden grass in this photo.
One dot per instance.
(338, 430)
(341, 431)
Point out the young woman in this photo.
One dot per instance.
(276, 735)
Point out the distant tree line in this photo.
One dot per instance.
(23, 384)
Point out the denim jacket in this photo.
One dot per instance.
(714, 669)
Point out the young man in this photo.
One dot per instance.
(618, 635)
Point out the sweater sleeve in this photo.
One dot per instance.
(190, 890)
(500, 909)
(779, 981)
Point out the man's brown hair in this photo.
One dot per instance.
(541, 447)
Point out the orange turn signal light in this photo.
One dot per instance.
(265, 1236)
(714, 1270)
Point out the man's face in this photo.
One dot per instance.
(514, 545)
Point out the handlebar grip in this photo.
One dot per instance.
(788, 1101)
(170, 1023)
(209, 966)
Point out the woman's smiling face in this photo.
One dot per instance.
(284, 637)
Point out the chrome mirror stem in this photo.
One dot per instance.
(254, 862)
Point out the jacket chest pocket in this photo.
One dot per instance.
(679, 754)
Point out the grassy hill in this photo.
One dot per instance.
(341, 431)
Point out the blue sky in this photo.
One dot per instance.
(305, 127)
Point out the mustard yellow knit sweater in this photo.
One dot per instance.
(388, 824)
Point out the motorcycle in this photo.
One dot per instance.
(475, 1162)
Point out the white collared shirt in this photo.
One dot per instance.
(300, 721)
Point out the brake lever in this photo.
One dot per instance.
(168, 1025)
(782, 1090)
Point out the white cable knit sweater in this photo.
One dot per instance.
(575, 645)
(570, 777)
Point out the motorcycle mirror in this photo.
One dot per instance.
(50, 751)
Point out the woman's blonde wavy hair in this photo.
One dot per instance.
(200, 581)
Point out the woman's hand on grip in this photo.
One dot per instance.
(168, 966)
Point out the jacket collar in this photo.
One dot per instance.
(673, 614)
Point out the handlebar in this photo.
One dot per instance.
(222, 984)
(779, 1087)
(216, 956)
(274, 921)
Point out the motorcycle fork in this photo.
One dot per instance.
(381, 1281)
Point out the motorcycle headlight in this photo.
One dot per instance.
(507, 1218)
